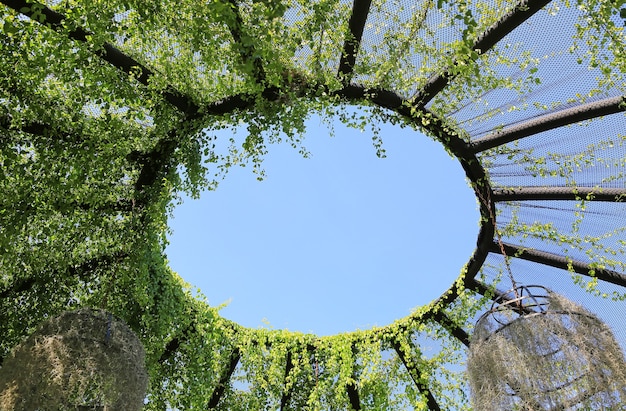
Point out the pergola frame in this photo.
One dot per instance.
(155, 163)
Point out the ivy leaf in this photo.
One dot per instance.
(8, 28)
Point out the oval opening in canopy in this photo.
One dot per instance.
(339, 241)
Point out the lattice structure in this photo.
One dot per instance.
(82, 359)
(536, 350)
(103, 103)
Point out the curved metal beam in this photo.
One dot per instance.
(351, 389)
(482, 289)
(33, 127)
(235, 356)
(559, 261)
(247, 49)
(582, 112)
(237, 102)
(174, 344)
(560, 193)
(433, 124)
(353, 396)
(356, 24)
(416, 376)
(80, 271)
(473, 170)
(157, 162)
(522, 12)
(456, 331)
(154, 164)
(284, 400)
(108, 52)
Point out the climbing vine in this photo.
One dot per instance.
(109, 111)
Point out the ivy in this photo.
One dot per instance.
(93, 159)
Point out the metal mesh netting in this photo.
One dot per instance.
(82, 358)
(107, 110)
(554, 78)
(536, 350)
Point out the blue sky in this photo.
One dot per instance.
(339, 241)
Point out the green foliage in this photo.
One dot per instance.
(93, 157)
